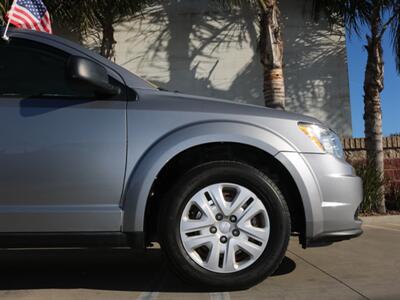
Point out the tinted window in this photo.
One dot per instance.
(31, 69)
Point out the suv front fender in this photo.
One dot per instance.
(143, 174)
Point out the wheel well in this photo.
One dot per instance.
(250, 155)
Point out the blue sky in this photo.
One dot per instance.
(357, 57)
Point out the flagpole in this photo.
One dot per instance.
(5, 37)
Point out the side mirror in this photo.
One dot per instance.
(91, 74)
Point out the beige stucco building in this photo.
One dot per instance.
(193, 47)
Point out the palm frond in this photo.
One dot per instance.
(352, 14)
(356, 14)
(86, 15)
(233, 4)
(4, 7)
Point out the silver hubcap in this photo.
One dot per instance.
(225, 228)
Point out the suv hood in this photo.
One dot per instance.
(191, 103)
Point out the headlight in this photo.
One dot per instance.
(324, 138)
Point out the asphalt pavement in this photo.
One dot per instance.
(364, 268)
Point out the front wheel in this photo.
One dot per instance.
(225, 224)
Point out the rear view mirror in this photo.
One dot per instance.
(92, 74)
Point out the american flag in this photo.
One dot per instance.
(30, 14)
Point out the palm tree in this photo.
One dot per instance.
(271, 48)
(377, 16)
(93, 16)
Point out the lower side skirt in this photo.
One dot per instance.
(73, 240)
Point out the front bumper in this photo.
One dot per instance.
(331, 194)
(341, 192)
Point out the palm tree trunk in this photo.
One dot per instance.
(108, 42)
(373, 86)
(107, 47)
(271, 51)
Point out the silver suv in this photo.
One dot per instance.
(91, 154)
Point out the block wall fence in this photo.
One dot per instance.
(355, 152)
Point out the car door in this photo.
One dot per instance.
(62, 149)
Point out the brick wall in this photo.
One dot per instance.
(392, 170)
(355, 148)
(355, 151)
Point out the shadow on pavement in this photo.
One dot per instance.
(119, 270)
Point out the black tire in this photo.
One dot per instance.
(212, 173)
